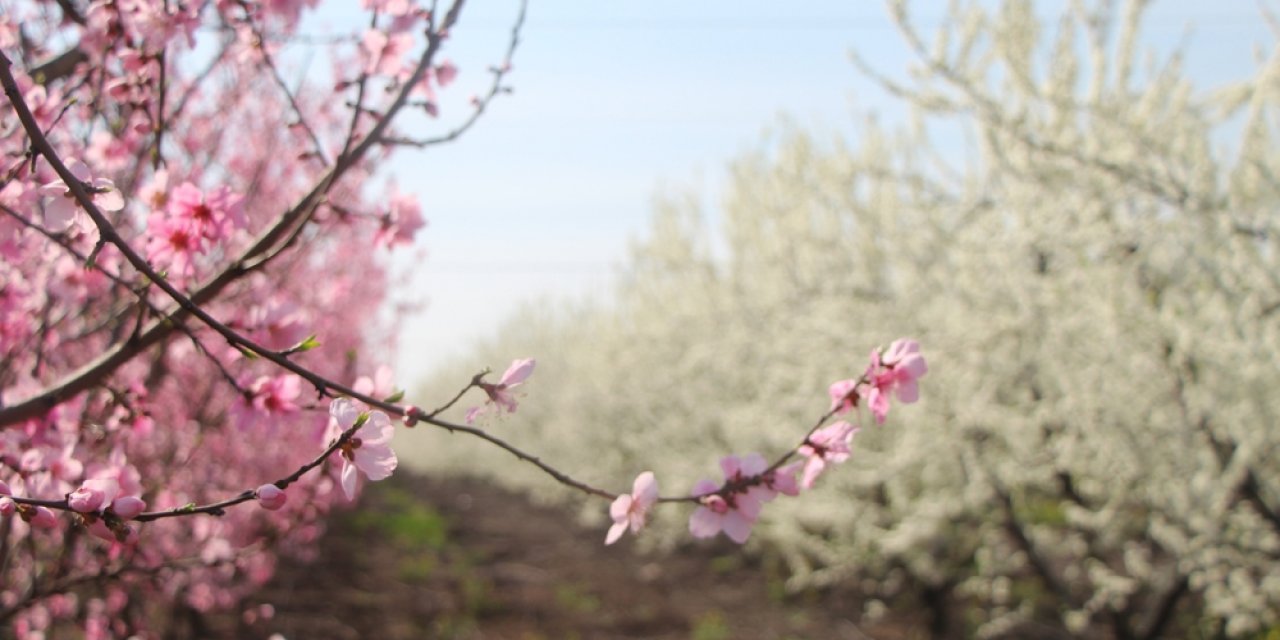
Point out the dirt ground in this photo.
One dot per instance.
(457, 558)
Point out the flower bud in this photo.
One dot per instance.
(7, 506)
(271, 497)
(128, 507)
(43, 518)
(85, 499)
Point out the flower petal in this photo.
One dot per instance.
(615, 532)
(704, 523)
(620, 508)
(349, 479)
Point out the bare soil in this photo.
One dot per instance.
(460, 558)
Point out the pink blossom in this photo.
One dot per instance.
(173, 244)
(734, 517)
(270, 397)
(271, 497)
(7, 506)
(904, 365)
(734, 507)
(64, 211)
(401, 221)
(155, 192)
(897, 372)
(384, 52)
(844, 396)
(829, 444)
(278, 324)
(391, 7)
(369, 448)
(630, 510)
(212, 215)
(500, 394)
(379, 386)
(783, 480)
(96, 494)
(446, 72)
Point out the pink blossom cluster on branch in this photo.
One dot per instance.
(179, 298)
(733, 505)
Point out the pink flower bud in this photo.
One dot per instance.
(7, 506)
(271, 497)
(43, 518)
(128, 507)
(85, 499)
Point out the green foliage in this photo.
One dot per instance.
(574, 598)
(412, 526)
(711, 626)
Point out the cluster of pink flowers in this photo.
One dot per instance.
(120, 407)
(733, 506)
(895, 371)
(190, 223)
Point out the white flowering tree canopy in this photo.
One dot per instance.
(1097, 281)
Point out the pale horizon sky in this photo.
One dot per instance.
(617, 102)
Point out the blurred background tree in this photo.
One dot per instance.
(1085, 244)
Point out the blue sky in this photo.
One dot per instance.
(616, 102)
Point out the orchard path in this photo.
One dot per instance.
(431, 557)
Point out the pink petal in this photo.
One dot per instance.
(79, 170)
(376, 462)
(109, 200)
(730, 466)
(737, 527)
(812, 468)
(349, 479)
(645, 489)
(704, 523)
(59, 213)
(839, 392)
(914, 366)
(364, 385)
(753, 464)
(615, 532)
(128, 507)
(785, 479)
(504, 399)
(620, 508)
(879, 403)
(44, 518)
(908, 392)
(517, 372)
(704, 487)
(748, 505)
(344, 412)
(377, 430)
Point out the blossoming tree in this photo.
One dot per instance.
(188, 303)
(1099, 272)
